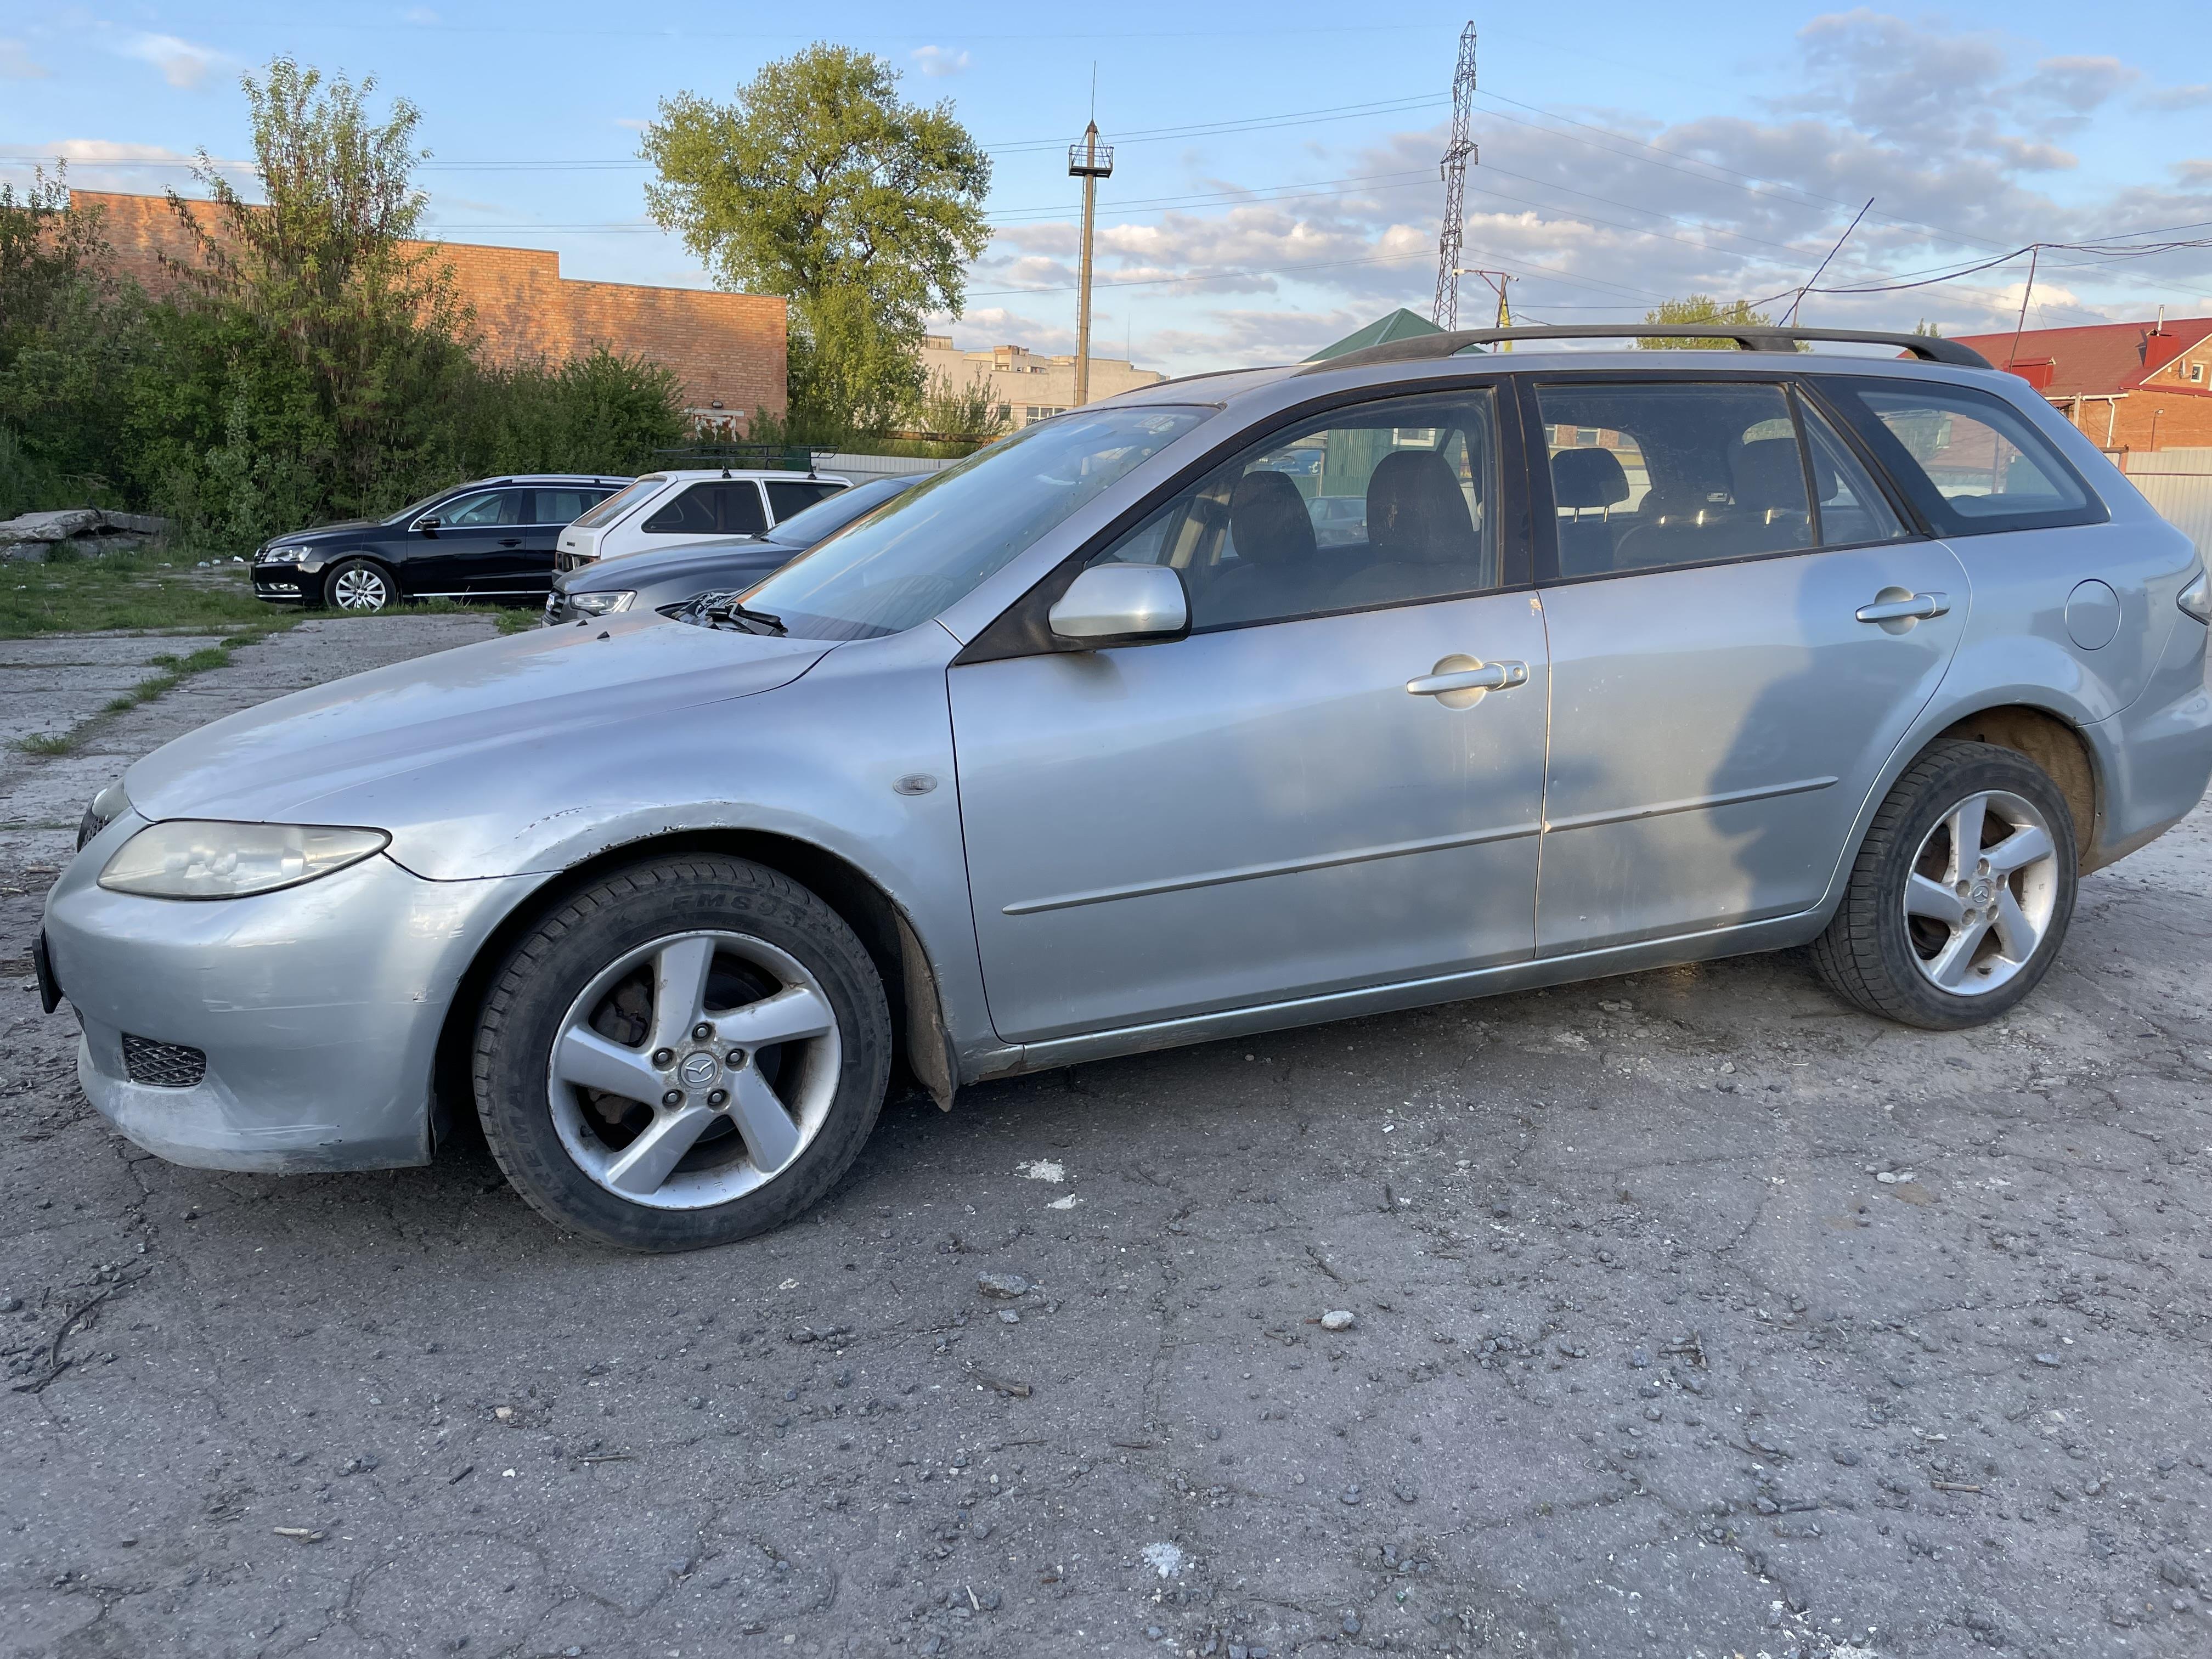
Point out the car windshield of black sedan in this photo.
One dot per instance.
(933, 544)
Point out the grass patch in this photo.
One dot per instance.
(46, 742)
(512, 621)
(178, 670)
(141, 589)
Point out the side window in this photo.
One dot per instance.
(1852, 509)
(1386, 503)
(727, 506)
(493, 506)
(562, 505)
(786, 497)
(1654, 475)
(1970, 460)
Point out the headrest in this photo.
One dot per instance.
(1588, 477)
(1268, 519)
(1416, 513)
(1768, 476)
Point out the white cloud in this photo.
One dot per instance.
(16, 62)
(2174, 98)
(182, 64)
(940, 60)
(635, 123)
(422, 17)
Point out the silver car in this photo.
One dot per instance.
(1091, 744)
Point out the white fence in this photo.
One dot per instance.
(862, 468)
(2178, 483)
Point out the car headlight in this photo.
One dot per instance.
(283, 555)
(109, 805)
(603, 605)
(2196, 599)
(199, 859)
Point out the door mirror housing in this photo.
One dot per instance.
(1121, 604)
(428, 523)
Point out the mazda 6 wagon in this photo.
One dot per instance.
(1232, 703)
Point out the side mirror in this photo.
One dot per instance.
(428, 523)
(1121, 604)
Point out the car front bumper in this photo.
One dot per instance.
(291, 1031)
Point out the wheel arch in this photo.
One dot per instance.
(920, 1039)
(2053, 742)
(389, 566)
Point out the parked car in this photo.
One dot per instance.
(648, 581)
(491, 539)
(1086, 747)
(663, 509)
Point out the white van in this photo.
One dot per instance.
(668, 509)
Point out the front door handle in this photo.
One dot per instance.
(510, 541)
(1460, 681)
(1900, 604)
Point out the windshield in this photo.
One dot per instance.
(618, 503)
(834, 512)
(933, 544)
(415, 509)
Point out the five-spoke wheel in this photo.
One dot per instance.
(689, 1051)
(1960, 893)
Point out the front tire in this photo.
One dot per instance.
(1961, 895)
(685, 1053)
(360, 585)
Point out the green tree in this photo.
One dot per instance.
(1700, 308)
(68, 335)
(355, 333)
(968, 411)
(819, 183)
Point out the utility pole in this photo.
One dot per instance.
(1457, 154)
(1498, 280)
(1090, 162)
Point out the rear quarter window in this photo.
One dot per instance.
(1971, 462)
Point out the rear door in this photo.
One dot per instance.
(1278, 805)
(788, 495)
(527, 568)
(1734, 650)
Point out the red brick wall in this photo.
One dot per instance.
(724, 348)
(2184, 419)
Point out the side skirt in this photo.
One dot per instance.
(1777, 933)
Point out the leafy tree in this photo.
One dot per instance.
(963, 411)
(354, 317)
(1700, 308)
(818, 182)
(1927, 330)
(67, 336)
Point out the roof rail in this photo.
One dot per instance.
(1927, 347)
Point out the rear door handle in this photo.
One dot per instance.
(1904, 607)
(1460, 681)
(510, 541)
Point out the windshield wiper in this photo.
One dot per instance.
(723, 610)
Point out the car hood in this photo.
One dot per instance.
(673, 563)
(344, 527)
(362, 750)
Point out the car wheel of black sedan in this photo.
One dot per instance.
(358, 584)
(686, 1053)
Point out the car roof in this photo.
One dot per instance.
(686, 474)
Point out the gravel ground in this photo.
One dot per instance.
(1689, 1313)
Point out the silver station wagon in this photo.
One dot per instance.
(1238, 702)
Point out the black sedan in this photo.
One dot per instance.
(647, 581)
(492, 539)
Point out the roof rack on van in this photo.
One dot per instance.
(1927, 347)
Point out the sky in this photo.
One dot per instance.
(1276, 181)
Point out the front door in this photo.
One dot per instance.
(473, 534)
(1733, 657)
(1288, 802)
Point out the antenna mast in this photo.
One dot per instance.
(1457, 154)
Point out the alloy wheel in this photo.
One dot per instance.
(1983, 889)
(693, 1069)
(361, 588)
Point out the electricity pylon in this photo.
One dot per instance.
(1457, 154)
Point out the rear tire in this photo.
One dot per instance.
(687, 1052)
(1961, 895)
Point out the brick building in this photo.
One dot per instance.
(727, 349)
(2133, 387)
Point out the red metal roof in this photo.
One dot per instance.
(2093, 362)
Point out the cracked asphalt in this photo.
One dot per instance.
(1691, 1314)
